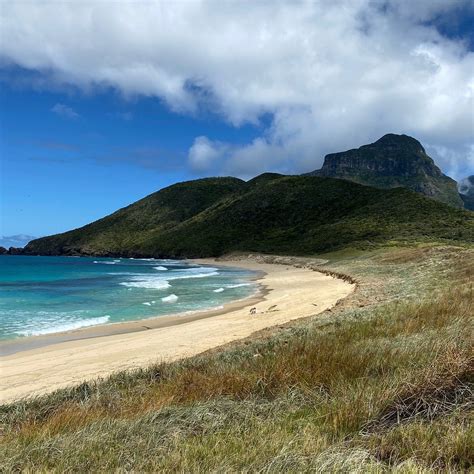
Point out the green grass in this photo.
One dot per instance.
(295, 215)
(383, 382)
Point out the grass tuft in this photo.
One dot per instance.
(382, 383)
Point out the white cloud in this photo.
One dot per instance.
(64, 111)
(458, 159)
(204, 153)
(331, 74)
(18, 240)
(466, 186)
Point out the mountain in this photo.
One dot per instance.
(466, 191)
(271, 213)
(127, 228)
(392, 161)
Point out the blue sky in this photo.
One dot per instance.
(103, 103)
(66, 165)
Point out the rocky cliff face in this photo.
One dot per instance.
(392, 161)
(15, 251)
(466, 191)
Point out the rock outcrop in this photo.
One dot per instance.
(390, 162)
(15, 251)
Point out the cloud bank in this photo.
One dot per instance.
(18, 240)
(331, 75)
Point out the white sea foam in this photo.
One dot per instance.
(50, 328)
(194, 275)
(238, 285)
(148, 303)
(170, 299)
(104, 262)
(202, 310)
(157, 282)
(219, 290)
(200, 269)
(193, 272)
(147, 281)
(121, 273)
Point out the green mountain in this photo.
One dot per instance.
(466, 191)
(392, 161)
(271, 213)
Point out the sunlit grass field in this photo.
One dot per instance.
(383, 382)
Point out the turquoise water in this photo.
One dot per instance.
(44, 295)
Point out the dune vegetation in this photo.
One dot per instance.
(382, 382)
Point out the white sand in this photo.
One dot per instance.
(293, 291)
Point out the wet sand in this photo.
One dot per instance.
(41, 364)
(34, 342)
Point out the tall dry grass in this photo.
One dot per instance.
(392, 390)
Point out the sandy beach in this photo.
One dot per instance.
(45, 364)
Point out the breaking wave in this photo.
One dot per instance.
(239, 285)
(193, 272)
(103, 294)
(61, 327)
(147, 281)
(170, 299)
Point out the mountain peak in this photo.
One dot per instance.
(399, 141)
(392, 161)
(264, 178)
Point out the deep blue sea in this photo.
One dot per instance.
(44, 295)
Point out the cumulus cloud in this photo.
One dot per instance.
(331, 74)
(64, 111)
(204, 153)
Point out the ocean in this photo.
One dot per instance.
(45, 295)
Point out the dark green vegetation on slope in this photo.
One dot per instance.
(382, 383)
(392, 161)
(271, 213)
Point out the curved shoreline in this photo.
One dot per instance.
(15, 346)
(291, 293)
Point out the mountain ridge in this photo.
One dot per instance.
(392, 161)
(275, 214)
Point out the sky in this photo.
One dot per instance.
(102, 102)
